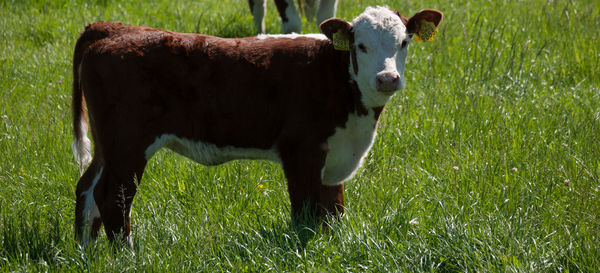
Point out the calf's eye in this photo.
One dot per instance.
(404, 44)
(362, 48)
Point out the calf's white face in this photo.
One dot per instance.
(378, 47)
(380, 44)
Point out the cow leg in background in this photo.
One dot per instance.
(309, 7)
(87, 216)
(290, 20)
(326, 10)
(258, 9)
(114, 194)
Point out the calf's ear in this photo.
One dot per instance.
(422, 19)
(336, 25)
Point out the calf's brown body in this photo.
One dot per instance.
(281, 94)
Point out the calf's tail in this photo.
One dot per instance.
(82, 144)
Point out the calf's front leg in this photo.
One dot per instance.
(331, 200)
(303, 168)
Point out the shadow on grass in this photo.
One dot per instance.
(284, 240)
(34, 238)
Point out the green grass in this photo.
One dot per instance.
(488, 160)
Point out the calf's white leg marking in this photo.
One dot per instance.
(90, 209)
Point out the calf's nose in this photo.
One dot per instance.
(387, 81)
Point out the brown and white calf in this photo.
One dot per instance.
(290, 19)
(291, 99)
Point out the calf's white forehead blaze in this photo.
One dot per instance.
(381, 33)
(381, 18)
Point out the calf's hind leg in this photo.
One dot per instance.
(104, 195)
(114, 196)
(87, 215)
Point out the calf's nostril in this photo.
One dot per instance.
(387, 81)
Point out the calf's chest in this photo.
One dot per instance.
(348, 147)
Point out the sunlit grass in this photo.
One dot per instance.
(487, 161)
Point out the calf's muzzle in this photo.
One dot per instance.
(387, 81)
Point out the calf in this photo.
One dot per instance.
(291, 99)
(290, 20)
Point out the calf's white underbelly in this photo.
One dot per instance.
(348, 147)
(207, 153)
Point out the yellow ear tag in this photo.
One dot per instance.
(340, 42)
(426, 31)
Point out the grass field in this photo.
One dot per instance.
(488, 160)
